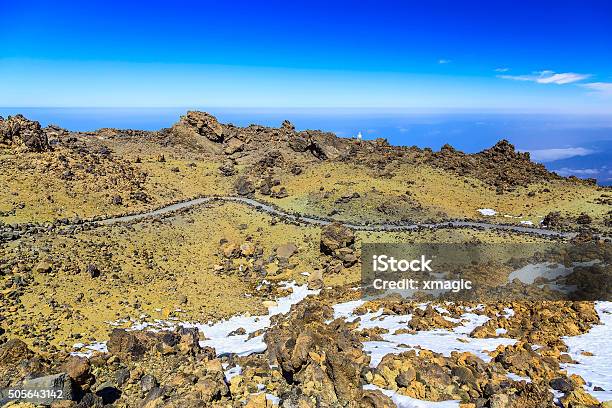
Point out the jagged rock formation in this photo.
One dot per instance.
(501, 165)
(204, 123)
(322, 362)
(17, 131)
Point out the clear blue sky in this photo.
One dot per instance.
(527, 56)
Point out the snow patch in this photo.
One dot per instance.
(403, 401)
(232, 372)
(596, 369)
(89, 349)
(487, 212)
(442, 341)
(218, 334)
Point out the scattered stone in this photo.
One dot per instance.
(43, 267)
(286, 251)
(93, 270)
(552, 219)
(148, 382)
(234, 145)
(117, 199)
(227, 169)
(244, 186)
(584, 219)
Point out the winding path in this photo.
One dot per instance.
(269, 209)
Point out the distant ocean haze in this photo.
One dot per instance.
(579, 145)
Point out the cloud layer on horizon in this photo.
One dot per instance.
(600, 88)
(550, 155)
(548, 77)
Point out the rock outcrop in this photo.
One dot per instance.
(501, 165)
(205, 124)
(17, 131)
(322, 362)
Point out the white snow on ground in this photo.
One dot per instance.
(273, 399)
(439, 340)
(88, 350)
(403, 401)
(516, 377)
(596, 369)
(527, 222)
(232, 372)
(217, 334)
(488, 212)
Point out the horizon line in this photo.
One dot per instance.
(396, 109)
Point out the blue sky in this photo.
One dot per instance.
(435, 55)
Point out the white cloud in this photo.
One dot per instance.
(548, 77)
(600, 88)
(502, 69)
(549, 155)
(565, 171)
(444, 61)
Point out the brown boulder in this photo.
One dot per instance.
(126, 344)
(244, 186)
(376, 399)
(205, 124)
(286, 251)
(14, 351)
(233, 145)
(334, 237)
(338, 241)
(79, 369)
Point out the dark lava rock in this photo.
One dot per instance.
(561, 384)
(90, 400)
(93, 270)
(244, 186)
(117, 200)
(552, 219)
(584, 219)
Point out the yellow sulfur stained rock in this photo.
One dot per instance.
(579, 398)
